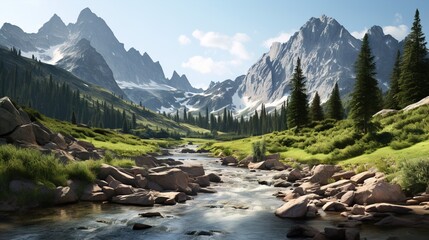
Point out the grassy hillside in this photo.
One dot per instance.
(400, 136)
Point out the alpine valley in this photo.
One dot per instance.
(89, 50)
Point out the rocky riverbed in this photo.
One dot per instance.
(241, 208)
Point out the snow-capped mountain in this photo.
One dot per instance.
(90, 50)
(328, 53)
(85, 62)
(182, 83)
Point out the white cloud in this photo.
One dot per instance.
(282, 37)
(184, 40)
(206, 65)
(359, 34)
(399, 32)
(233, 44)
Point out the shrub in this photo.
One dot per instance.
(397, 145)
(259, 149)
(414, 175)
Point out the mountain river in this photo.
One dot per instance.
(241, 209)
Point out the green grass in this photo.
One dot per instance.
(30, 164)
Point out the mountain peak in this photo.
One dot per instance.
(376, 31)
(86, 14)
(175, 74)
(55, 23)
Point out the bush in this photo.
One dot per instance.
(414, 175)
(398, 145)
(259, 149)
(83, 171)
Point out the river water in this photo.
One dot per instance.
(241, 209)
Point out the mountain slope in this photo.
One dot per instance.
(86, 63)
(328, 53)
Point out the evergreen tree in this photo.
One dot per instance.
(298, 105)
(366, 95)
(335, 106)
(391, 100)
(73, 118)
(316, 111)
(413, 82)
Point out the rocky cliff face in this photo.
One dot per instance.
(85, 62)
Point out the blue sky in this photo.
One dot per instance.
(212, 40)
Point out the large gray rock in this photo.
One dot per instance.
(64, 195)
(334, 206)
(169, 198)
(203, 181)
(106, 170)
(173, 179)
(361, 177)
(42, 134)
(274, 163)
(321, 173)
(145, 161)
(192, 170)
(343, 175)
(294, 175)
(348, 198)
(19, 186)
(378, 192)
(386, 207)
(23, 134)
(141, 198)
(10, 116)
(229, 159)
(296, 208)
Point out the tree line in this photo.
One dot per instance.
(57, 100)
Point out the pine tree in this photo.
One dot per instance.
(335, 106)
(391, 100)
(73, 118)
(366, 96)
(298, 105)
(413, 82)
(316, 111)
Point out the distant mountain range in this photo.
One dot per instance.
(90, 50)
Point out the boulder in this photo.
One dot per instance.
(150, 214)
(343, 175)
(207, 190)
(311, 211)
(106, 170)
(94, 197)
(245, 161)
(274, 164)
(296, 208)
(123, 189)
(64, 195)
(139, 170)
(153, 186)
(334, 206)
(321, 173)
(141, 226)
(282, 183)
(10, 116)
(108, 191)
(187, 150)
(59, 140)
(160, 169)
(378, 192)
(294, 175)
(140, 181)
(173, 179)
(169, 198)
(229, 159)
(337, 184)
(192, 170)
(203, 181)
(393, 221)
(195, 188)
(348, 198)
(81, 155)
(87, 145)
(361, 177)
(424, 101)
(141, 198)
(358, 210)
(214, 178)
(76, 147)
(42, 134)
(386, 207)
(301, 231)
(257, 165)
(145, 161)
(23, 134)
(63, 156)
